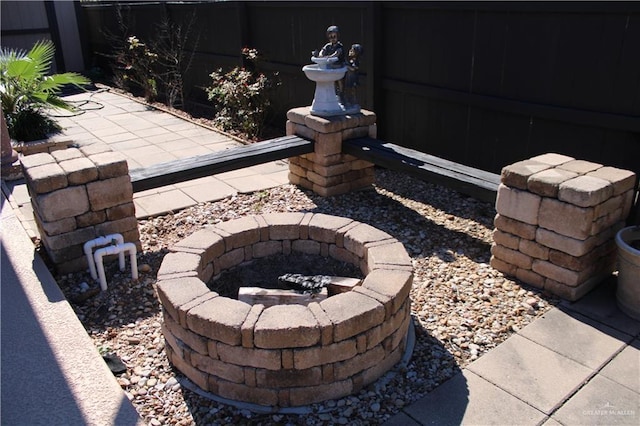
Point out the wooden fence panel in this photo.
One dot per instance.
(481, 83)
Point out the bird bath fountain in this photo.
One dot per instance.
(325, 101)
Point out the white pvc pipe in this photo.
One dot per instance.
(101, 241)
(119, 249)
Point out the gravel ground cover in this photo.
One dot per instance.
(461, 307)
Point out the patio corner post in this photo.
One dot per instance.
(79, 194)
(327, 171)
(556, 222)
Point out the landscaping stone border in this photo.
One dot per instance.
(285, 355)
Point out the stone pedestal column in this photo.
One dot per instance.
(78, 195)
(556, 222)
(327, 171)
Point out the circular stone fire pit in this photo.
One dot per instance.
(285, 355)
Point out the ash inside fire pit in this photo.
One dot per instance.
(264, 272)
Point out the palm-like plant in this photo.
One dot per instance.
(26, 89)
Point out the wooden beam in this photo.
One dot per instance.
(474, 182)
(218, 162)
(271, 297)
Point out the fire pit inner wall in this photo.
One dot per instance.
(285, 355)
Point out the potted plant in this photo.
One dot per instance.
(628, 292)
(27, 90)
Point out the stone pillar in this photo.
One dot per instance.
(327, 171)
(556, 222)
(78, 195)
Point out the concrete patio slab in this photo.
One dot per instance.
(191, 152)
(625, 368)
(591, 344)
(155, 157)
(166, 137)
(220, 145)
(234, 174)
(176, 126)
(529, 371)
(109, 131)
(126, 136)
(145, 129)
(97, 123)
(210, 190)
(469, 399)
(162, 202)
(600, 304)
(196, 132)
(175, 145)
(601, 402)
(127, 144)
(246, 184)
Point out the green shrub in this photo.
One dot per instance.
(154, 67)
(30, 125)
(241, 97)
(27, 90)
(134, 68)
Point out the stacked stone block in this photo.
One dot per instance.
(78, 195)
(556, 222)
(327, 171)
(285, 355)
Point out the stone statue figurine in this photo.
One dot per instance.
(333, 48)
(348, 98)
(336, 78)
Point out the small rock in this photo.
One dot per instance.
(144, 268)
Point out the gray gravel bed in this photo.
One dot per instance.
(461, 307)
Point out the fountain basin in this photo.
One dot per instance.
(320, 73)
(325, 101)
(286, 355)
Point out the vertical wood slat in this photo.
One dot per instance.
(482, 84)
